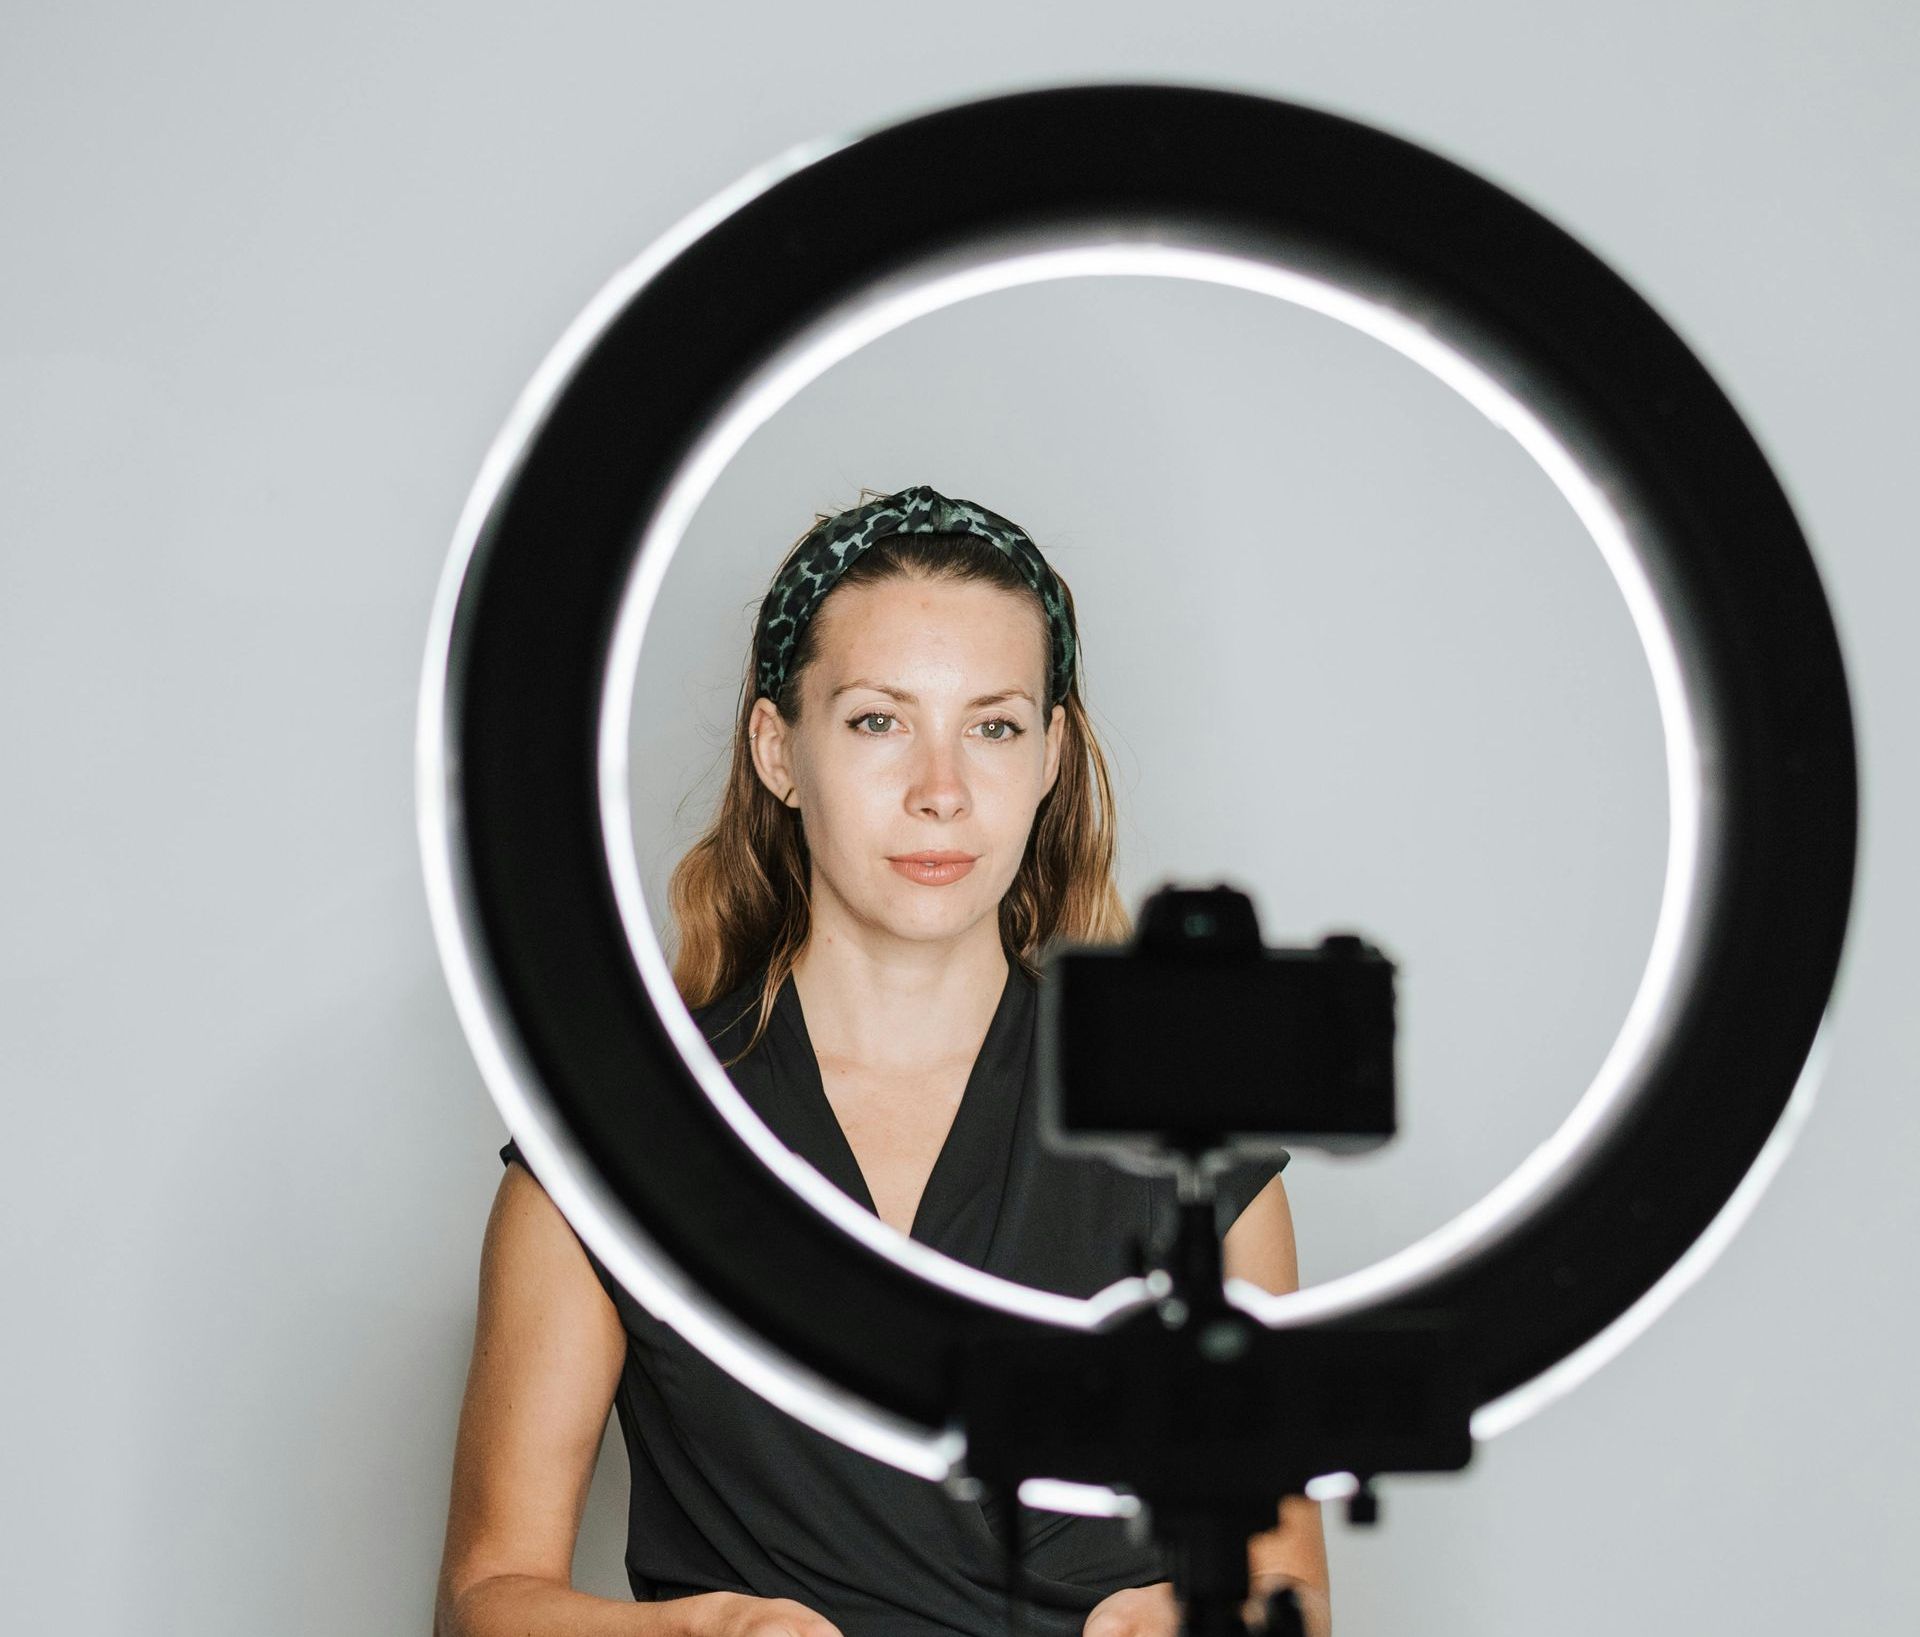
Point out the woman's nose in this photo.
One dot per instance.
(939, 784)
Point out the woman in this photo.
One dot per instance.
(917, 806)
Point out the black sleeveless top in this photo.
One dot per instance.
(731, 1493)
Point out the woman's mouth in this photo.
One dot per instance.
(933, 869)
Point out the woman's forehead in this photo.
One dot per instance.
(938, 635)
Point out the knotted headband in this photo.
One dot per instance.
(828, 549)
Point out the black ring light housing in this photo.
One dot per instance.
(543, 962)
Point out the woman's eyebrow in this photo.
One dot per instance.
(905, 698)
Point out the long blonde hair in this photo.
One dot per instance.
(738, 897)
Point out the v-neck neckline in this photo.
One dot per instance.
(965, 1116)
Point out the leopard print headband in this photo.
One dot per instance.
(831, 547)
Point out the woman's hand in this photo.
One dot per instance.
(1153, 1611)
(735, 1614)
(1135, 1611)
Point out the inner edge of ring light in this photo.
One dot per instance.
(1128, 248)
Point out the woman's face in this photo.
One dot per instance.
(919, 732)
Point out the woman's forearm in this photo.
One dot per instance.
(521, 1605)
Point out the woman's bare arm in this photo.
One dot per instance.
(548, 1347)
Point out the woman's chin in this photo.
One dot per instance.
(922, 913)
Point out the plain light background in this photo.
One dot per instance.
(273, 283)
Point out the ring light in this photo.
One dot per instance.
(560, 983)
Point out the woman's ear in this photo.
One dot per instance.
(767, 744)
(1056, 737)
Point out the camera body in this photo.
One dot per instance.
(1195, 1045)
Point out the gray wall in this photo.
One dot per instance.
(272, 283)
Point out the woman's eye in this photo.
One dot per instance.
(1014, 729)
(872, 716)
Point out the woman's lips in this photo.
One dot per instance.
(930, 873)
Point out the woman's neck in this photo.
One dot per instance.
(902, 1010)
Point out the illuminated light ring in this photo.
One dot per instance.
(561, 985)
